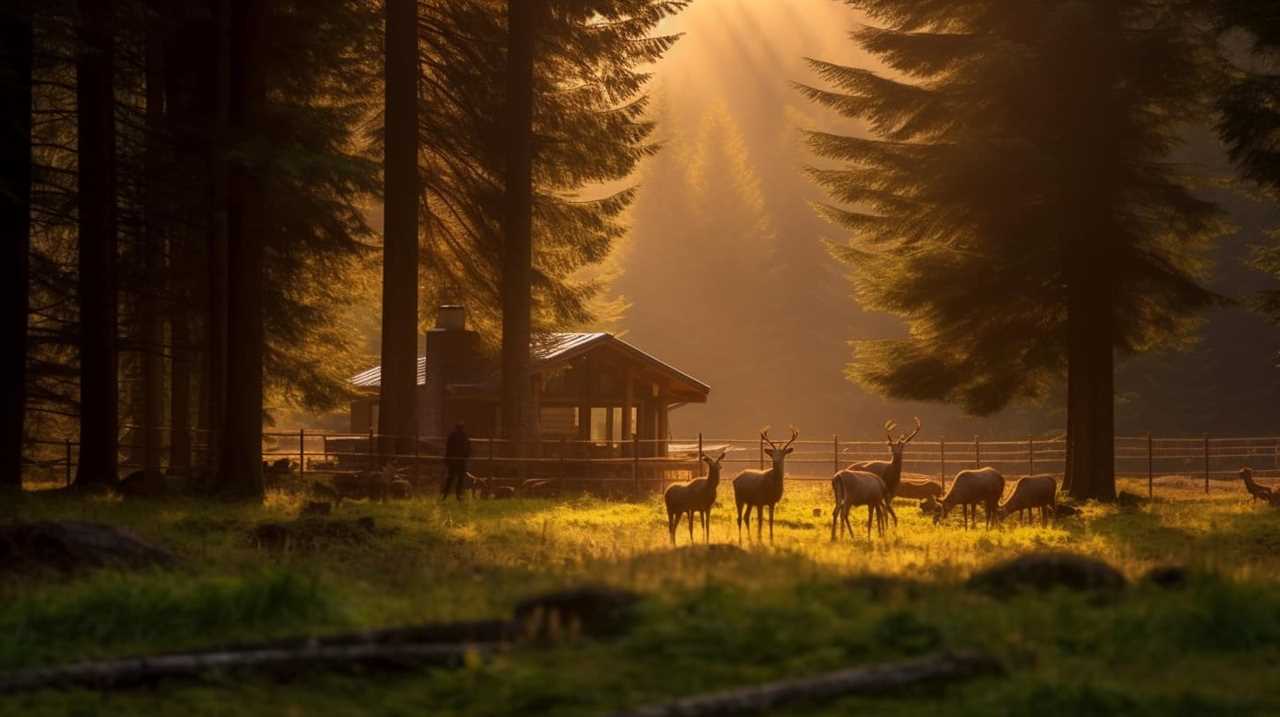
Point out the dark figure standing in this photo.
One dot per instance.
(457, 449)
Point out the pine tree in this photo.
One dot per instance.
(15, 226)
(1248, 104)
(1017, 207)
(590, 130)
(397, 398)
(96, 290)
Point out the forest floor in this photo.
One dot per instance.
(708, 618)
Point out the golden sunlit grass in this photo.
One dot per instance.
(711, 617)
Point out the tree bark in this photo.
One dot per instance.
(213, 384)
(15, 223)
(1090, 472)
(517, 264)
(152, 327)
(397, 412)
(240, 464)
(97, 246)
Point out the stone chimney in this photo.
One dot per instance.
(454, 355)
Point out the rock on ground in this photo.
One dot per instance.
(1045, 571)
(70, 546)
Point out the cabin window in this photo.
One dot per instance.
(599, 425)
(558, 421)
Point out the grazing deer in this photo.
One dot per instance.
(853, 488)
(696, 496)
(1031, 493)
(890, 471)
(1256, 490)
(759, 488)
(969, 489)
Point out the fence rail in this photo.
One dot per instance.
(641, 461)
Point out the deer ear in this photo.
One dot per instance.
(788, 451)
(768, 452)
(707, 459)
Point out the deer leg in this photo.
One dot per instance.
(888, 506)
(760, 523)
(672, 518)
(706, 525)
(691, 527)
(739, 505)
(770, 522)
(844, 522)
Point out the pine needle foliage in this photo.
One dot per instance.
(590, 133)
(1016, 150)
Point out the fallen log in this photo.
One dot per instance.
(139, 671)
(869, 680)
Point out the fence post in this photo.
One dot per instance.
(324, 446)
(761, 452)
(563, 467)
(302, 453)
(416, 472)
(68, 461)
(372, 454)
(835, 454)
(490, 456)
(1206, 464)
(1151, 473)
(1031, 456)
(635, 461)
(977, 452)
(942, 461)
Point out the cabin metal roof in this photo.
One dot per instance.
(549, 350)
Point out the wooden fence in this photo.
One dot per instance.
(316, 452)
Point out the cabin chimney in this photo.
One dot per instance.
(454, 356)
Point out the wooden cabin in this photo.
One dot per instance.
(592, 391)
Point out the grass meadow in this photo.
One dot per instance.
(710, 617)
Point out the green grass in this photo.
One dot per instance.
(710, 619)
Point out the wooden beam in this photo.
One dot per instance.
(628, 400)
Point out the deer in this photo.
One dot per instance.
(970, 488)
(759, 488)
(853, 488)
(890, 471)
(1030, 493)
(1256, 490)
(695, 496)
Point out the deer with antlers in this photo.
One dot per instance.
(890, 471)
(760, 488)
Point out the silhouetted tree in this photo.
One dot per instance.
(1017, 206)
(398, 394)
(523, 18)
(15, 226)
(96, 290)
(1249, 111)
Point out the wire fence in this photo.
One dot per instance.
(649, 462)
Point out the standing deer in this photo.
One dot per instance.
(760, 488)
(890, 471)
(1256, 490)
(853, 488)
(696, 496)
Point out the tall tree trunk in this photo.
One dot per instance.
(152, 327)
(240, 464)
(15, 225)
(180, 387)
(398, 395)
(1090, 472)
(517, 257)
(214, 377)
(97, 245)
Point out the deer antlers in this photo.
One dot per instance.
(902, 439)
(764, 434)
